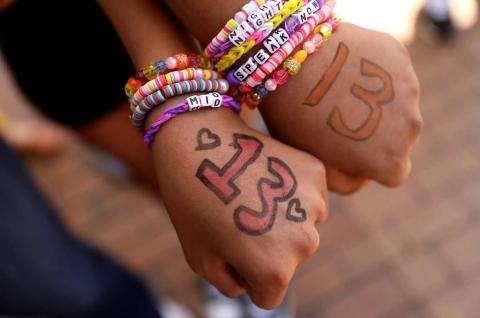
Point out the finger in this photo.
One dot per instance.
(226, 280)
(343, 183)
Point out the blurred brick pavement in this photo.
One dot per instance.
(411, 252)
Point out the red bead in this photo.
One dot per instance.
(232, 91)
(193, 60)
(280, 76)
(182, 61)
(244, 88)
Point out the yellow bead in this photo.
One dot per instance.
(325, 31)
(292, 66)
(301, 56)
(150, 72)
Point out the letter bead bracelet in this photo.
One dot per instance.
(192, 103)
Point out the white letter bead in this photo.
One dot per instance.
(247, 30)
(301, 15)
(314, 6)
(281, 36)
(261, 57)
(240, 74)
(276, 5)
(236, 37)
(217, 99)
(256, 20)
(194, 103)
(250, 66)
(207, 100)
(266, 11)
(271, 44)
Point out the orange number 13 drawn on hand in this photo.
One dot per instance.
(374, 99)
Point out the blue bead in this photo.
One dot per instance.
(262, 91)
(160, 66)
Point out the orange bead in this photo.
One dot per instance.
(301, 56)
(182, 61)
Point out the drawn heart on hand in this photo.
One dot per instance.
(207, 140)
(295, 212)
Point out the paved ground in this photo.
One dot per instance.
(411, 252)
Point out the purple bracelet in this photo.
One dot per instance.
(193, 103)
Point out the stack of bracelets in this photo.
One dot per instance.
(287, 31)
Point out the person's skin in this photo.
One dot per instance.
(359, 135)
(244, 205)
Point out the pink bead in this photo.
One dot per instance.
(280, 76)
(171, 63)
(309, 47)
(240, 16)
(200, 74)
(317, 40)
(271, 85)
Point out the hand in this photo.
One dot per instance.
(355, 106)
(244, 205)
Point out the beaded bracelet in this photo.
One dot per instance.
(256, 26)
(171, 78)
(292, 65)
(274, 43)
(192, 103)
(177, 62)
(234, 54)
(257, 77)
(223, 36)
(177, 89)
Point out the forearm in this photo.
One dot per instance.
(146, 29)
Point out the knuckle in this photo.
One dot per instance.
(416, 125)
(231, 292)
(311, 242)
(279, 279)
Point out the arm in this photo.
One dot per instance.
(244, 206)
(354, 104)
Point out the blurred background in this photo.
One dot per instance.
(408, 252)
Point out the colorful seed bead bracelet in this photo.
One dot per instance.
(223, 36)
(292, 65)
(177, 89)
(192, 103)
(175, 62)
(274, 43)
(171, 78)
(236, 53)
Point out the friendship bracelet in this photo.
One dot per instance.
(274, 43)
(292, 65)
(256, 25)
(176, 89)
(223, 36)
(235, 53)
(257, 77)
(171, 78)
(192, 103)
(177, 62)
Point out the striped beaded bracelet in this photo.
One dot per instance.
(171, 78)
(176, 62)
(192, 103)
(176, 89)
(236, 53)
(223, 36)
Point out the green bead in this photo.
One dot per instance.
(292, 66)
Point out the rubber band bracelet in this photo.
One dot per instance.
(176, 62)
(192, 103)
(223, 36)
(237, 52)
(171, 78)
(274, 43)
(177, 89)
(292, 65)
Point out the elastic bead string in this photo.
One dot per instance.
(177, 89)
(172, 112)
(237, 52)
